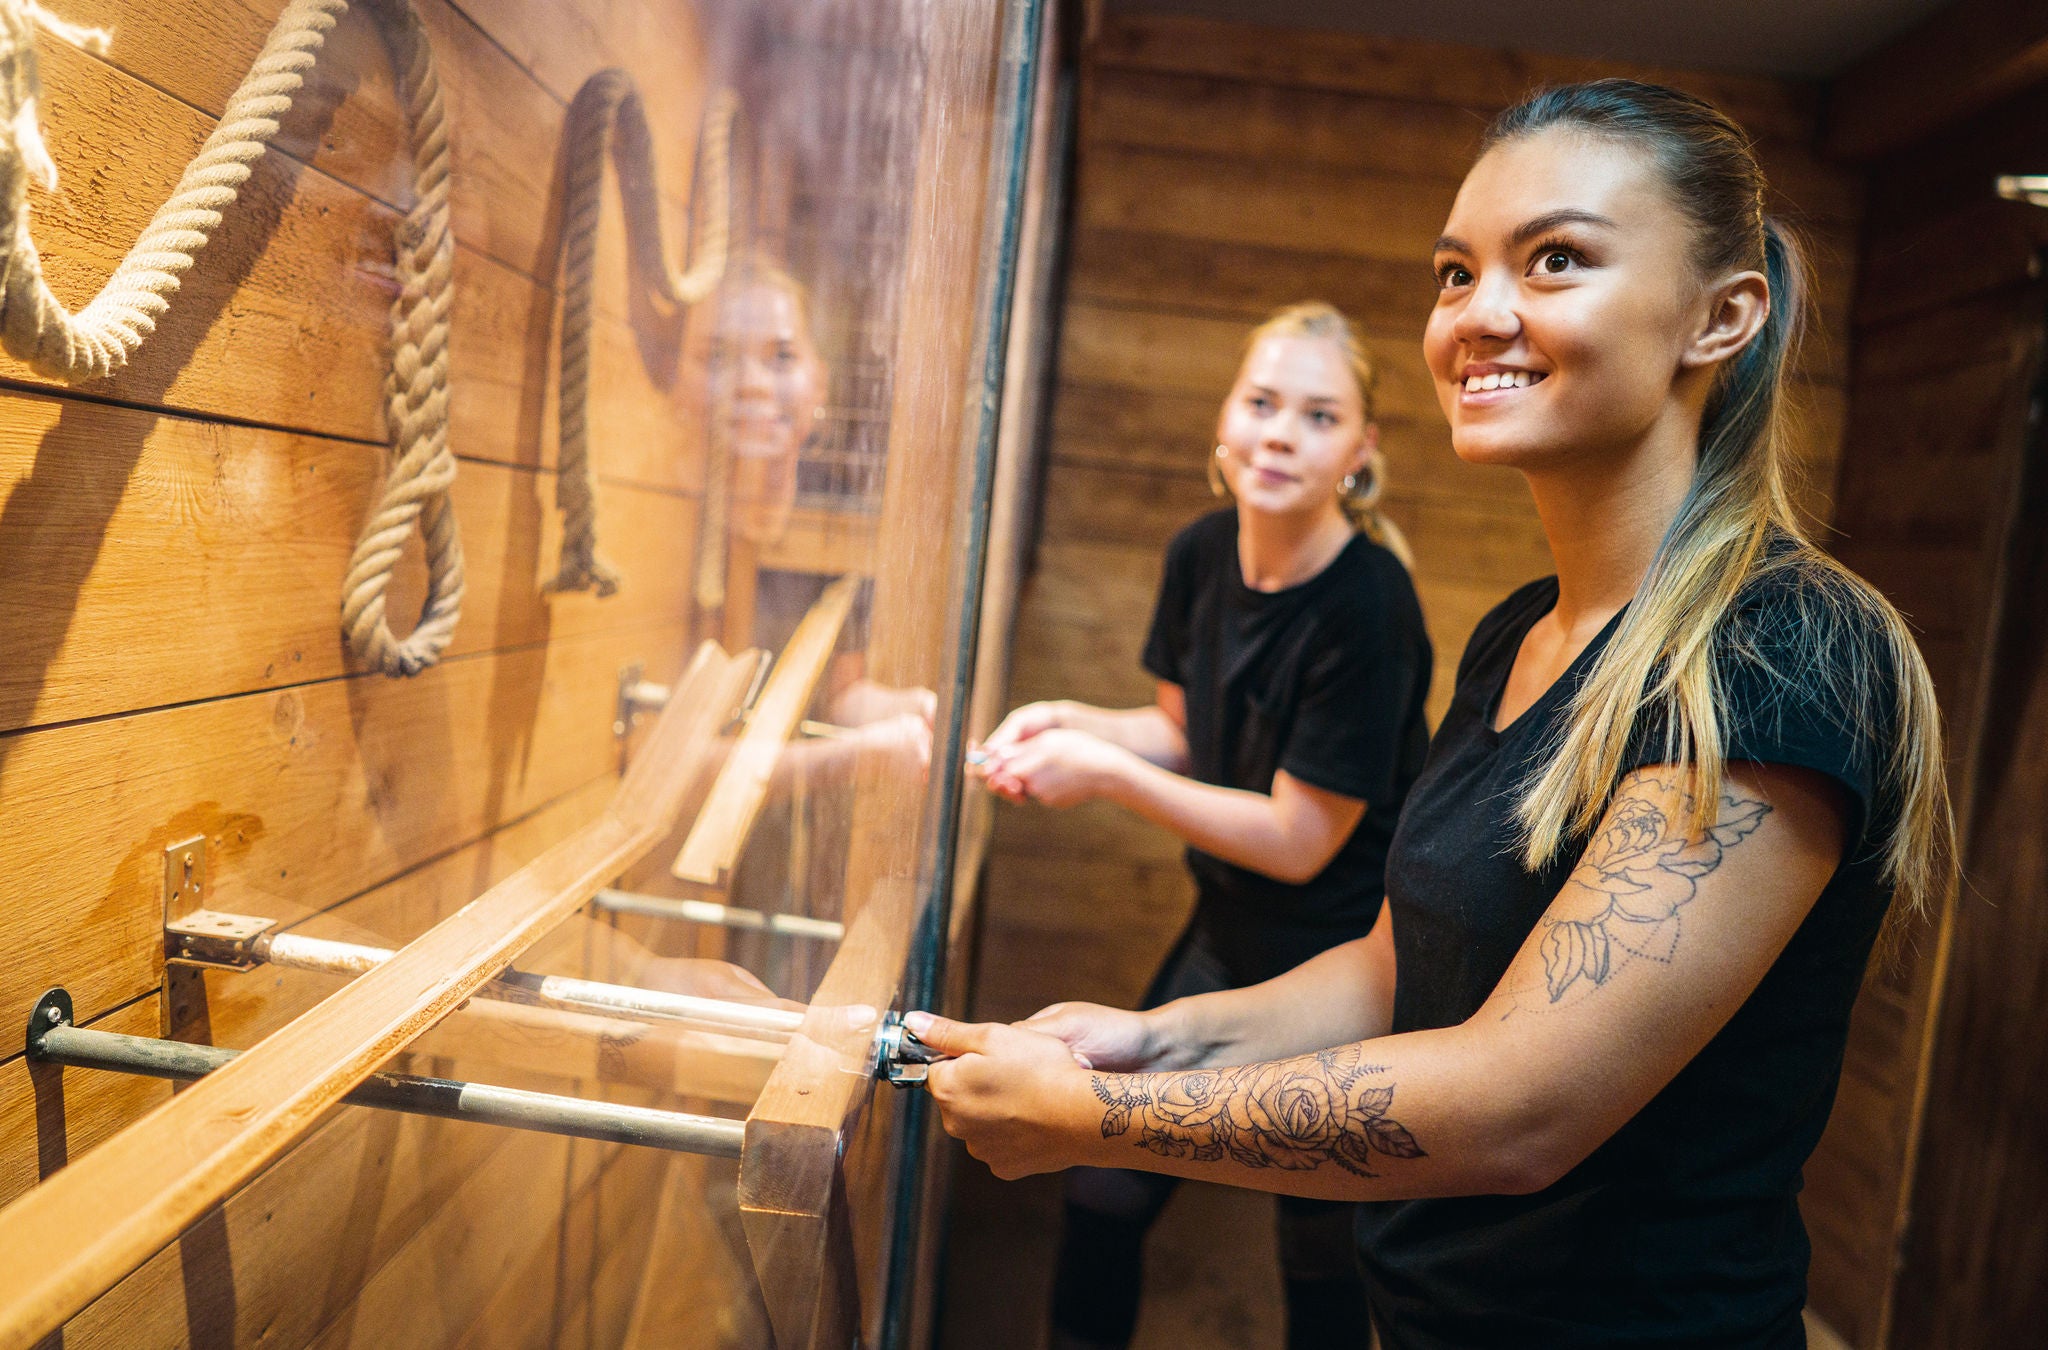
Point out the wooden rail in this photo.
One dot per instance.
(74, 1236)
(722, 826)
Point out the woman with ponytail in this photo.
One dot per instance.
(1292, 664)
(1684, 788)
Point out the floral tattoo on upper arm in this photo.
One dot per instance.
(1296, 1114)
(1638, 873)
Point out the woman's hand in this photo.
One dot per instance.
(1024, 723)
(1003, 1093)
(1057, 768)
(905, 738)
(1110, 1039)
(865, 701)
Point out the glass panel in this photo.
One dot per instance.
(389, 657)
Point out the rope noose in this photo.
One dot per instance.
(98, 340)
(607, 112)
(415, 391)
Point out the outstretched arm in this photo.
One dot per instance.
(1658, 937)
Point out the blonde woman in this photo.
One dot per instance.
(1292, 665)
(1580, 1065)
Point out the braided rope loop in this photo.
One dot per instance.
(608, 113)
(98, 340)
(422, 469)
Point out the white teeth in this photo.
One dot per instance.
(1512, 379)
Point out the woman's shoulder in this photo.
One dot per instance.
(1806, 622)
(1811, 671)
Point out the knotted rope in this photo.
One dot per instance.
(415, 390)
(99, 339)
(607, 113)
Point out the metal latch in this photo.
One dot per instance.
(636, 696)
(193, 934)
(900, 1056)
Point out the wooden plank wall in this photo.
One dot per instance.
(173, 542)
(1224, 170)
(1933, 508)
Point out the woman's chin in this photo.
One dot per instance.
(1493, 446)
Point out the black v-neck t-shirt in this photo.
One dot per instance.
(1326, 680)
(1683, 1229)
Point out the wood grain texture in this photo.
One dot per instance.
(227, 546)
(170, 1167)
(1977, 1239)
(1954, 62)
(307, 795)
(1462, 77)
(297, 280)
(1948, 339)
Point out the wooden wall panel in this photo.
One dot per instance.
(1915, 1195)
(173, 541)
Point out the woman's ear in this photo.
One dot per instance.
(1368, 449)
(1736, 310)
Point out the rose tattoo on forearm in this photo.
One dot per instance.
(1638, 873)
(1296, 1114)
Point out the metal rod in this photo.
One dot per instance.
(725, 916)
(57, 1042)
(710, 1014)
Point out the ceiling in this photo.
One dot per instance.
(1804, 38)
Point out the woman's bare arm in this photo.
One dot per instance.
(1659, 935)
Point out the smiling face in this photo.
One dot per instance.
(1293, 426)
(770, 376)
(758, 377)
(1569, 315)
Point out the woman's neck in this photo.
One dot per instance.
(1275, 551)
(1605, 520)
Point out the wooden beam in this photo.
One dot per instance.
(78, 1233)
(727, 818)
(1961, 58)
(1477, 77)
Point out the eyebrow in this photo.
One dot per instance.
(1332, 399)
(1529, 229)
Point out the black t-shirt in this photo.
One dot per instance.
(1325, 679)
(1683, 1229)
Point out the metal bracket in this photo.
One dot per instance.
(215, 941)
(900, 1056)
(636, 696)
(195, 935)
(53, 1009)
(187, 881)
